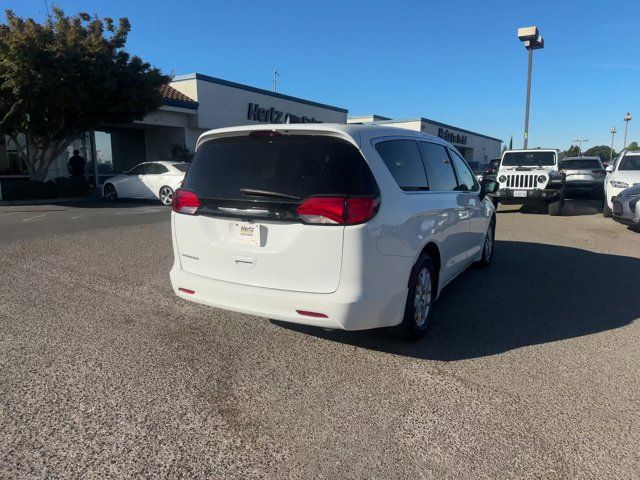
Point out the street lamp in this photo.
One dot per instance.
(579, 142)
(613, 132)
(627, 119)
(532, 41)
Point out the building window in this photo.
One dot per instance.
(13, 153)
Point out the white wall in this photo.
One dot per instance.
(479, 149)
(225, 106)
(484, 149)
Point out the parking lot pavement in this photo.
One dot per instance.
(530, 370)
(28, 221)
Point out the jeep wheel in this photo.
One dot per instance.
(606, 211)
(555, 208)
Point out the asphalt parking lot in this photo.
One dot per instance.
(530, 370)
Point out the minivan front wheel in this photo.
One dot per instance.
(420, 299)
(488, 246)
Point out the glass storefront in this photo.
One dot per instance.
(114, 149)
(118, 150)
(13, 154)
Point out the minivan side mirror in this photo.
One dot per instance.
(488, 186)
(609, 168)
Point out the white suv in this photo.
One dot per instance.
(338, 226)
(624, 173)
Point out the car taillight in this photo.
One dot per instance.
(338, 210)
(185, 201)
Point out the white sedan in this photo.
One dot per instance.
(147, 180)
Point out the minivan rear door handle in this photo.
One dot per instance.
(245, 262)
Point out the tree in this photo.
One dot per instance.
(602, 151)
(66, 76)
(573, 151)
(633, 146)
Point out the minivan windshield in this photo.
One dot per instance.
(528, 159)
(630, 162)
(281, 168)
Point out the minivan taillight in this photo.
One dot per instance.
(185, 201)
(338, 210)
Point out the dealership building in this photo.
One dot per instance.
(476, 148)
(191, 105)
(195, 103)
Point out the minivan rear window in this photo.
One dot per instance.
(292, 166)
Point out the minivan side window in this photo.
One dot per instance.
(403, 160)
(466, 180)
(438, 166)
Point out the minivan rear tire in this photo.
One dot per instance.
(416, 322)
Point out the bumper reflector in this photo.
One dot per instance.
(307, 313)
(186, 290)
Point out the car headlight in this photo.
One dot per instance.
(542, 179)
(502, 179)
(617, 184)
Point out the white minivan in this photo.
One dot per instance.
(337, 226)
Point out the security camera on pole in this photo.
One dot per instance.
(532, 41)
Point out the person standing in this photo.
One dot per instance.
(77, 165)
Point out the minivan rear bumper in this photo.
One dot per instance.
(346, 310)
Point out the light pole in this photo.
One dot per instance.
(579, 142)
(532, 41)
(627, 119)
(613, 132)
(276, 74)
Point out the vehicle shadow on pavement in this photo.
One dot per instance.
(531, 294)
(573, 207)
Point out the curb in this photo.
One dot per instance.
(48, 201)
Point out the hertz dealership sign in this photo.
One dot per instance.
(271, 115)
(452, 137)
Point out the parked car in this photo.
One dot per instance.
(531, 177)
(488, 170)
(626, 206)
(583, 175)
(337, 226)
(147, 180)
(492, 169)
(624, 173)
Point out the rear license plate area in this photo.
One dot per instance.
(245, 233)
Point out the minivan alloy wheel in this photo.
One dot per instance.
(422, 297)
(166, 195)
(488, 244)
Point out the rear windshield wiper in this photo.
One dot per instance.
(254, 192)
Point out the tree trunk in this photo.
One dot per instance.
(41, 153)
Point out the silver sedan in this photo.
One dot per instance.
(626, 206)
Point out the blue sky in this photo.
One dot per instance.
(457, 62)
